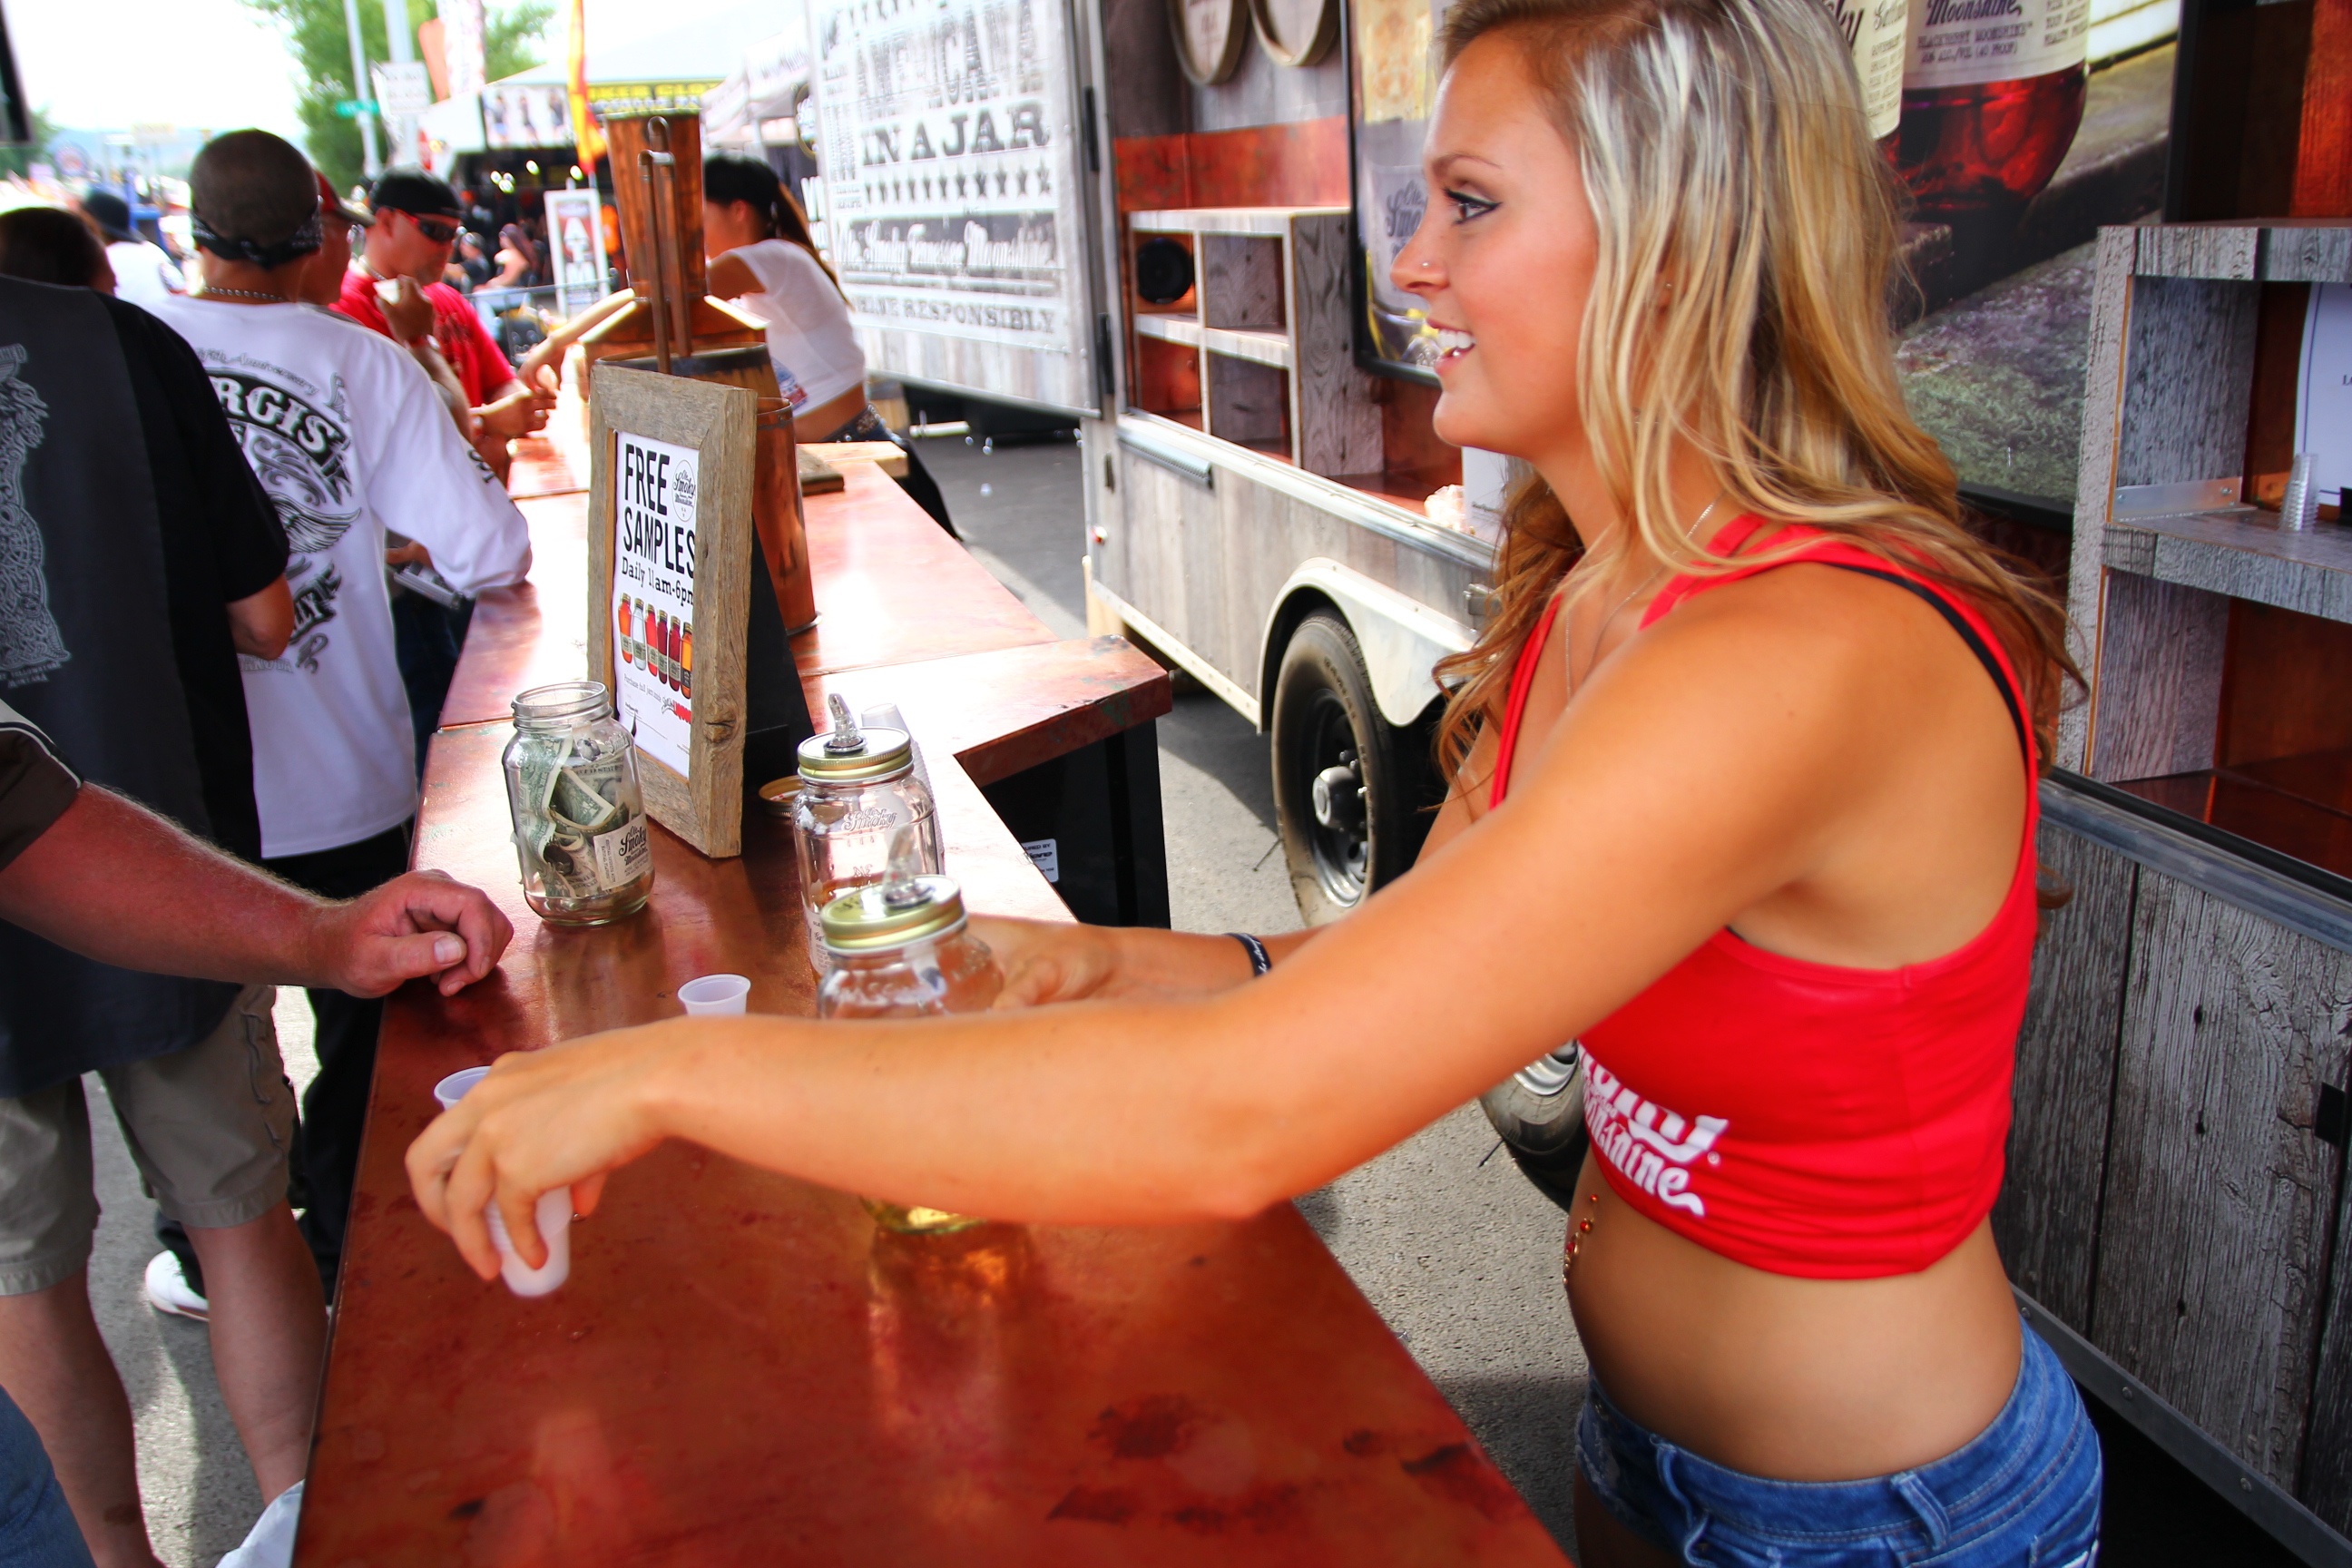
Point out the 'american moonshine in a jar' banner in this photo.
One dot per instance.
(653, 490)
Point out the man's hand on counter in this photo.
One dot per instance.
(112, 880)
(422, 925)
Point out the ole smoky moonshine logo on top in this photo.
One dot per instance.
(302, 454)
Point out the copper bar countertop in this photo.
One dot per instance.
(744, 1370)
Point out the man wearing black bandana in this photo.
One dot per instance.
(347, 435)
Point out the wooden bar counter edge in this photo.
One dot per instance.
(742, 1368)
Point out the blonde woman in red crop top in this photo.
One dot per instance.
(1745, 801)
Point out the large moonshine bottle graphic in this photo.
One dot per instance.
(1875, 30)
(1991, 98)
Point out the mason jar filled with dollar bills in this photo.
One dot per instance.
(579, 819)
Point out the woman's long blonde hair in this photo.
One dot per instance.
(1747, 238)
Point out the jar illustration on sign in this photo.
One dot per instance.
(686, 661)
(1991, 98)
(621, 627)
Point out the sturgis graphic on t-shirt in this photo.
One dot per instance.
(300, 449)
(31, 648)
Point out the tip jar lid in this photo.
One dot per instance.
(562, 700)
(891, 915)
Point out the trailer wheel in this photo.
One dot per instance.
(1347, 787)
(1538, 1113)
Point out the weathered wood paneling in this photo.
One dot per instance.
(1245, 402)
(1261, 92)
(2157, 706)
(2095, 483)
(2047, 1221)
(2218, 1196)
(2188, 372)
(1241, 281)
(1337, 424)
(1206, 564)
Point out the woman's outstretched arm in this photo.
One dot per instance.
(1592, 880)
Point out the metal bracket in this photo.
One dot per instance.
(1183, 463)
(2175, 500)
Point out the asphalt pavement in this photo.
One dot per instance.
(1456, 1250)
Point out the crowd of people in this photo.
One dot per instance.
(206, 497)
(211, 664)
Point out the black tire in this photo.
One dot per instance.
(1324, 721)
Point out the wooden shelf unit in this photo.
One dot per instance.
(2177, 1189)
(2163, 544)
(1273, 358)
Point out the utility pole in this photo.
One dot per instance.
(400, 129)
(360, 88)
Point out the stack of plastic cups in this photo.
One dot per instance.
(2299, 508)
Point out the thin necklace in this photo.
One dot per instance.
(207, 291)
(1610, 619)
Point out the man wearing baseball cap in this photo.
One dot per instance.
(144, 273)
(417, 218)
(346, 435)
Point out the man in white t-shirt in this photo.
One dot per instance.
(349, 437)
(144, 273)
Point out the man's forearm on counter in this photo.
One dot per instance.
(114, 882)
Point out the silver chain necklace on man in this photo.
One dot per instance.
(208, 291)
(1582, 1226)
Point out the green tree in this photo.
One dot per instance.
(19, 159)
(513, 37)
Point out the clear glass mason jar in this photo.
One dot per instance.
(858, 790)
(579, 819)
(901, 949)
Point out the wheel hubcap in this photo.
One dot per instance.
(1340, 798)
(1335, 776)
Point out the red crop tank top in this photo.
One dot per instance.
(1802, 1117)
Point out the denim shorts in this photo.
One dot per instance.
(2022, 1493)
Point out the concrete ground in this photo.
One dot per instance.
(1456, 1251)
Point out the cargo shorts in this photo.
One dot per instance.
(209, 1128)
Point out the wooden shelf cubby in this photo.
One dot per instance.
(1267, 338)
(2196, 343)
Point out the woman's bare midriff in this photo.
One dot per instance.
(1796, 1379)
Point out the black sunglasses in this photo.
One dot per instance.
(440, 231)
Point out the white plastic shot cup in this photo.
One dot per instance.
(714, 994)
(554, 1214)
(452, 1089)
(554, 1229)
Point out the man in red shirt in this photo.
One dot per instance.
(407, 249)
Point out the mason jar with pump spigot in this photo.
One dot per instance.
(858, 788)
(901, 948)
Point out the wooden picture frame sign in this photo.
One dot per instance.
(670, 533)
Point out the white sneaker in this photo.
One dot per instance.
(168, 1290)
(271, 1542)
